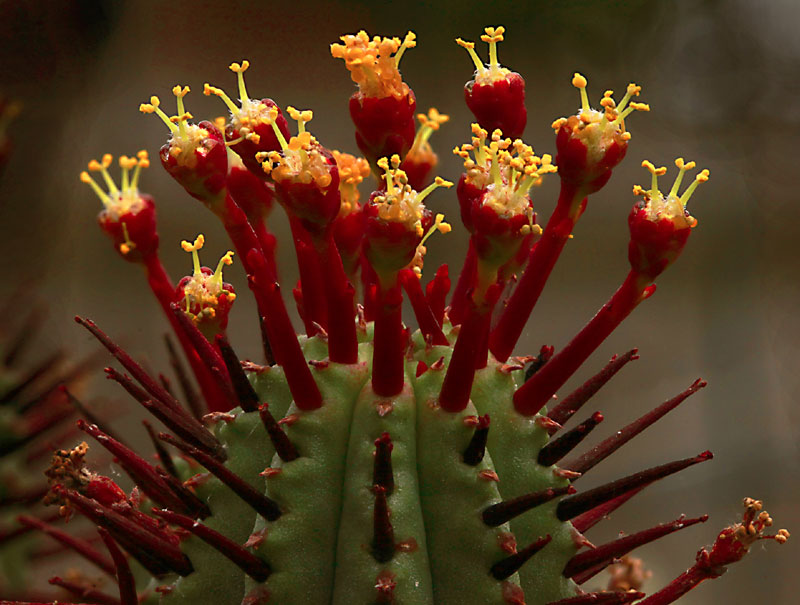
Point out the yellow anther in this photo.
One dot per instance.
(142, 154)
(639, 106)
(180, 92)
(127, 163)
(433, 119)
(638, 190)
(85, 178)
(239, 68)
(220, 122)
(107, 159)
(465, 44)
(441, 226)
(578, 81)
(493, 34)
(95, 166)
(199, 241)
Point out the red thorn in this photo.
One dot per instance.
(558, 448)
(187, 427)
(586, 565)
(163, 455)
(593, 516)
(575, 400)
(155, 552)
(382, 467)
(545, 354)
(86, 413)
(280, 441)
(476, 449)
(84, 592)
(138, 469)
(428, 324)
(190, 395)
(263, 505)
(253, 566)
(125, 580)
(580, 503)
(83, 547)
(601, 451)
(497, 514)
(150, 385)
(245, 394)
(505, 568)
(383, 534)
(601, 598)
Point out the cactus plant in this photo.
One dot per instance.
(364, 463)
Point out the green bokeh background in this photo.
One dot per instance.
(721, 78)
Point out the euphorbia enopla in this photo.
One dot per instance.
(366, 462)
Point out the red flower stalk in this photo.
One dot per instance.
(495, 95)
(659, 229)
(383, 107)
(307, 182)
(421, 161)
(251, 128)
(397, 224)
(590, 144)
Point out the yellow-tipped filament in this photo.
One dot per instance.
(373, 62)
(428, 123)
(186, 137)
(118, 201)
(670, 206)
(400, 203)
(506, 169)
(494, 71)
(202, 291)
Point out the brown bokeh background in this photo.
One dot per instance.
(721, 78)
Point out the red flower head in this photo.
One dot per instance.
(495, 95)
(128, 217)
(205, 298)
(251, 126)
(493, 193)
(195, 154)
(591, 143)
(305, 174)
(421, 161)
(397, 222)
(659, 224)
(383, 107)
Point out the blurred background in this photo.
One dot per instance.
(721, 78)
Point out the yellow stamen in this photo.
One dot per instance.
(655, 172)
(702, 177)
(410, 41)
(682, 168)
(86, 178)
(579, 82)
(209, 90)
(438, 182)
(193, 248)
(493, 36)
(127, 245)
(301, 117)
(239, 70)
(143, 162)
(153, 107)
(470, 46)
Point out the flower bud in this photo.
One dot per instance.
(128, 216)
(383, 107)
(195, 154)
(250, 130)
(591, 143)
(659, 224)
(204, 297)
(495, 95)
